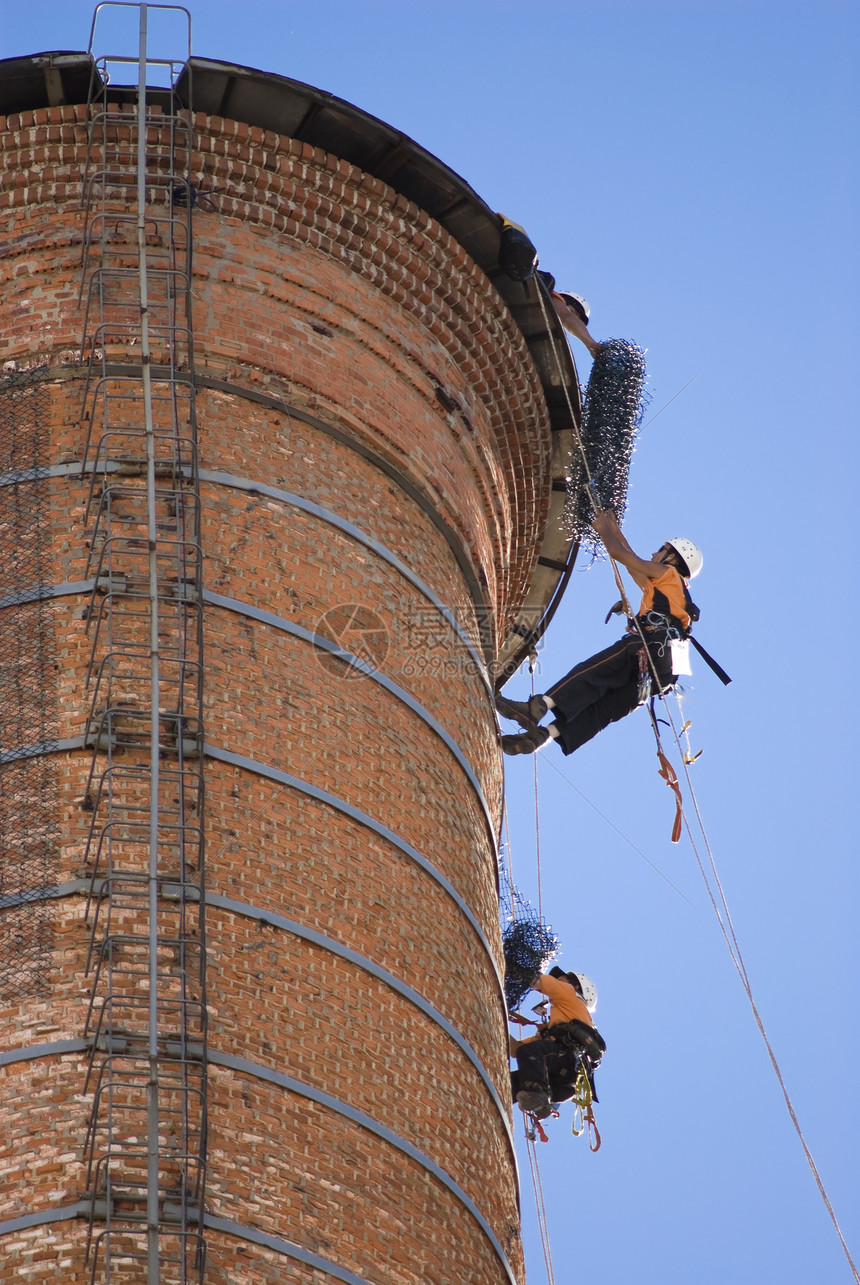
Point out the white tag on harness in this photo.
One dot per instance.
(680, 656)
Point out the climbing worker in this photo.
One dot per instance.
(573, 313)
(611, 684)
(548, 1063)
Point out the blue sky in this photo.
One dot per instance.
(691, 167)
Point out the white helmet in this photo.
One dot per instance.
(588, 988)
(691, 554)
(573, 299)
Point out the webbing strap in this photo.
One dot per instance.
(670, 777)
(709, 660)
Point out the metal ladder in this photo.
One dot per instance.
(145, 1148)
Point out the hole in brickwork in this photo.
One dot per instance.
(29, 791)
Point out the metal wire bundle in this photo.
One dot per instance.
(529, 945)
(614, 403)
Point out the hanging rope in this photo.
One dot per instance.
(532, 662)
(730, 937)
(508, 870)
(543, 1225)
(620, 833)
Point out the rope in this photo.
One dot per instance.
(510, 861)
(620, 833)
(668, 403)
(543, 1225)
(667, 771)
(532, 659)
(731, 940)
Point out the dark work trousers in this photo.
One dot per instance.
(545, 1065)
(604, 688)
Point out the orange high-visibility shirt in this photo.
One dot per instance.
(665, 593)
(565, 1004)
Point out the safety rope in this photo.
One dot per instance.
(620, 833)
(543, 1224)
(670, 776)
(727, 928)
(510, 859)
(731, 939)
(532, 662)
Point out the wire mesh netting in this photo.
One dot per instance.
(528, 942)
(29, 831)
(613, 405)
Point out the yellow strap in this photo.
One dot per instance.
(582, 1095)
(583, 1111)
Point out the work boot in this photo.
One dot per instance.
(526, 742)
(527, 713)
(534, 1103)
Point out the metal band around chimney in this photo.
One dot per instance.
(302, 787)
(330, 944)
(316, 640)
(220, 478)
(261, 1072)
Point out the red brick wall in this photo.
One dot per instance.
(321, 290)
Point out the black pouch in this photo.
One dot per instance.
(582, 1036)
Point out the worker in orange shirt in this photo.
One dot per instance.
(611, 684)
(548, 1063)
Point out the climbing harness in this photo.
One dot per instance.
(571, 1076)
